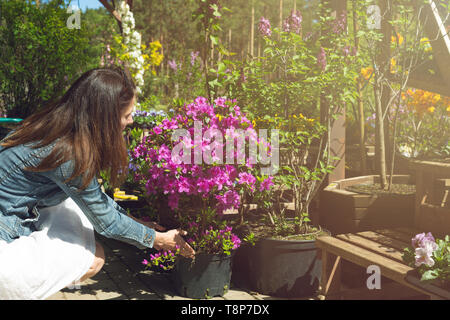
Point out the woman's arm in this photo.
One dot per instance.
(112, 221)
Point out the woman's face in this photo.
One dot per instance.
(126, 117)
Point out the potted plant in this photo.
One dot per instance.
(209, 273)
(181, 166)
(284, 90)
(405, 124)
(431, 259)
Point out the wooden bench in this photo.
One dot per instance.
(384, 248)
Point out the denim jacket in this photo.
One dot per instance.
(23, 193)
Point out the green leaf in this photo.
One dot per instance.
(430, 275)
(213, 39)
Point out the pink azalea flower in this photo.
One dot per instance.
(157, 130)
(266, 184)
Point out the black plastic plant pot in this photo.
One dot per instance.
(281, 268)
(206, 276)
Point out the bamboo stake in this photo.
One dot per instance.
(252, 31)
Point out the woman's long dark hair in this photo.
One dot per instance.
(86, 122)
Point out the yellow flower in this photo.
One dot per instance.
(393, 65)
(431, 109)
(425, 42)
(436, 98)
(366, 72)
(400, 39)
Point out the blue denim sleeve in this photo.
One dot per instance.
(107, 217)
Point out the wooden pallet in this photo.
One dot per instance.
(382, 248)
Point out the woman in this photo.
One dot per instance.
(50, 200)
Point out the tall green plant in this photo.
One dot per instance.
(394, 53)
(39, 54)
(284, 89)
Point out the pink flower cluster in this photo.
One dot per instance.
(218, 183)
(264, 27)
(212, 239)
(293, 23)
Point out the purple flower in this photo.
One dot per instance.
(194, 56)
(293, 23)
(236, 241)
(247, 178)
(157, 130)
(424, 254)
(145, 262)
(419, 240)
(173, 65)
(339, 23)
(424, 245)
(266, 184)
(264, 27)
(322, 59)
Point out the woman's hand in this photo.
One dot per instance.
(171, 239)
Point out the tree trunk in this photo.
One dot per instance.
(379, 131)
(384, 65)
(362, 149)
(281, 15)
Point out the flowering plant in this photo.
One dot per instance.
(181, 160)
(431, 257)
(423, 124)
(204, 235)
(181, 163)
(128, 48)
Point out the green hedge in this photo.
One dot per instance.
(40, 56)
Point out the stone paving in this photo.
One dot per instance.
(123, 277)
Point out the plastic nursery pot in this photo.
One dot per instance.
(206, 276)
(283, 268)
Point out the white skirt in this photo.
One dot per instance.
(50, 259)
